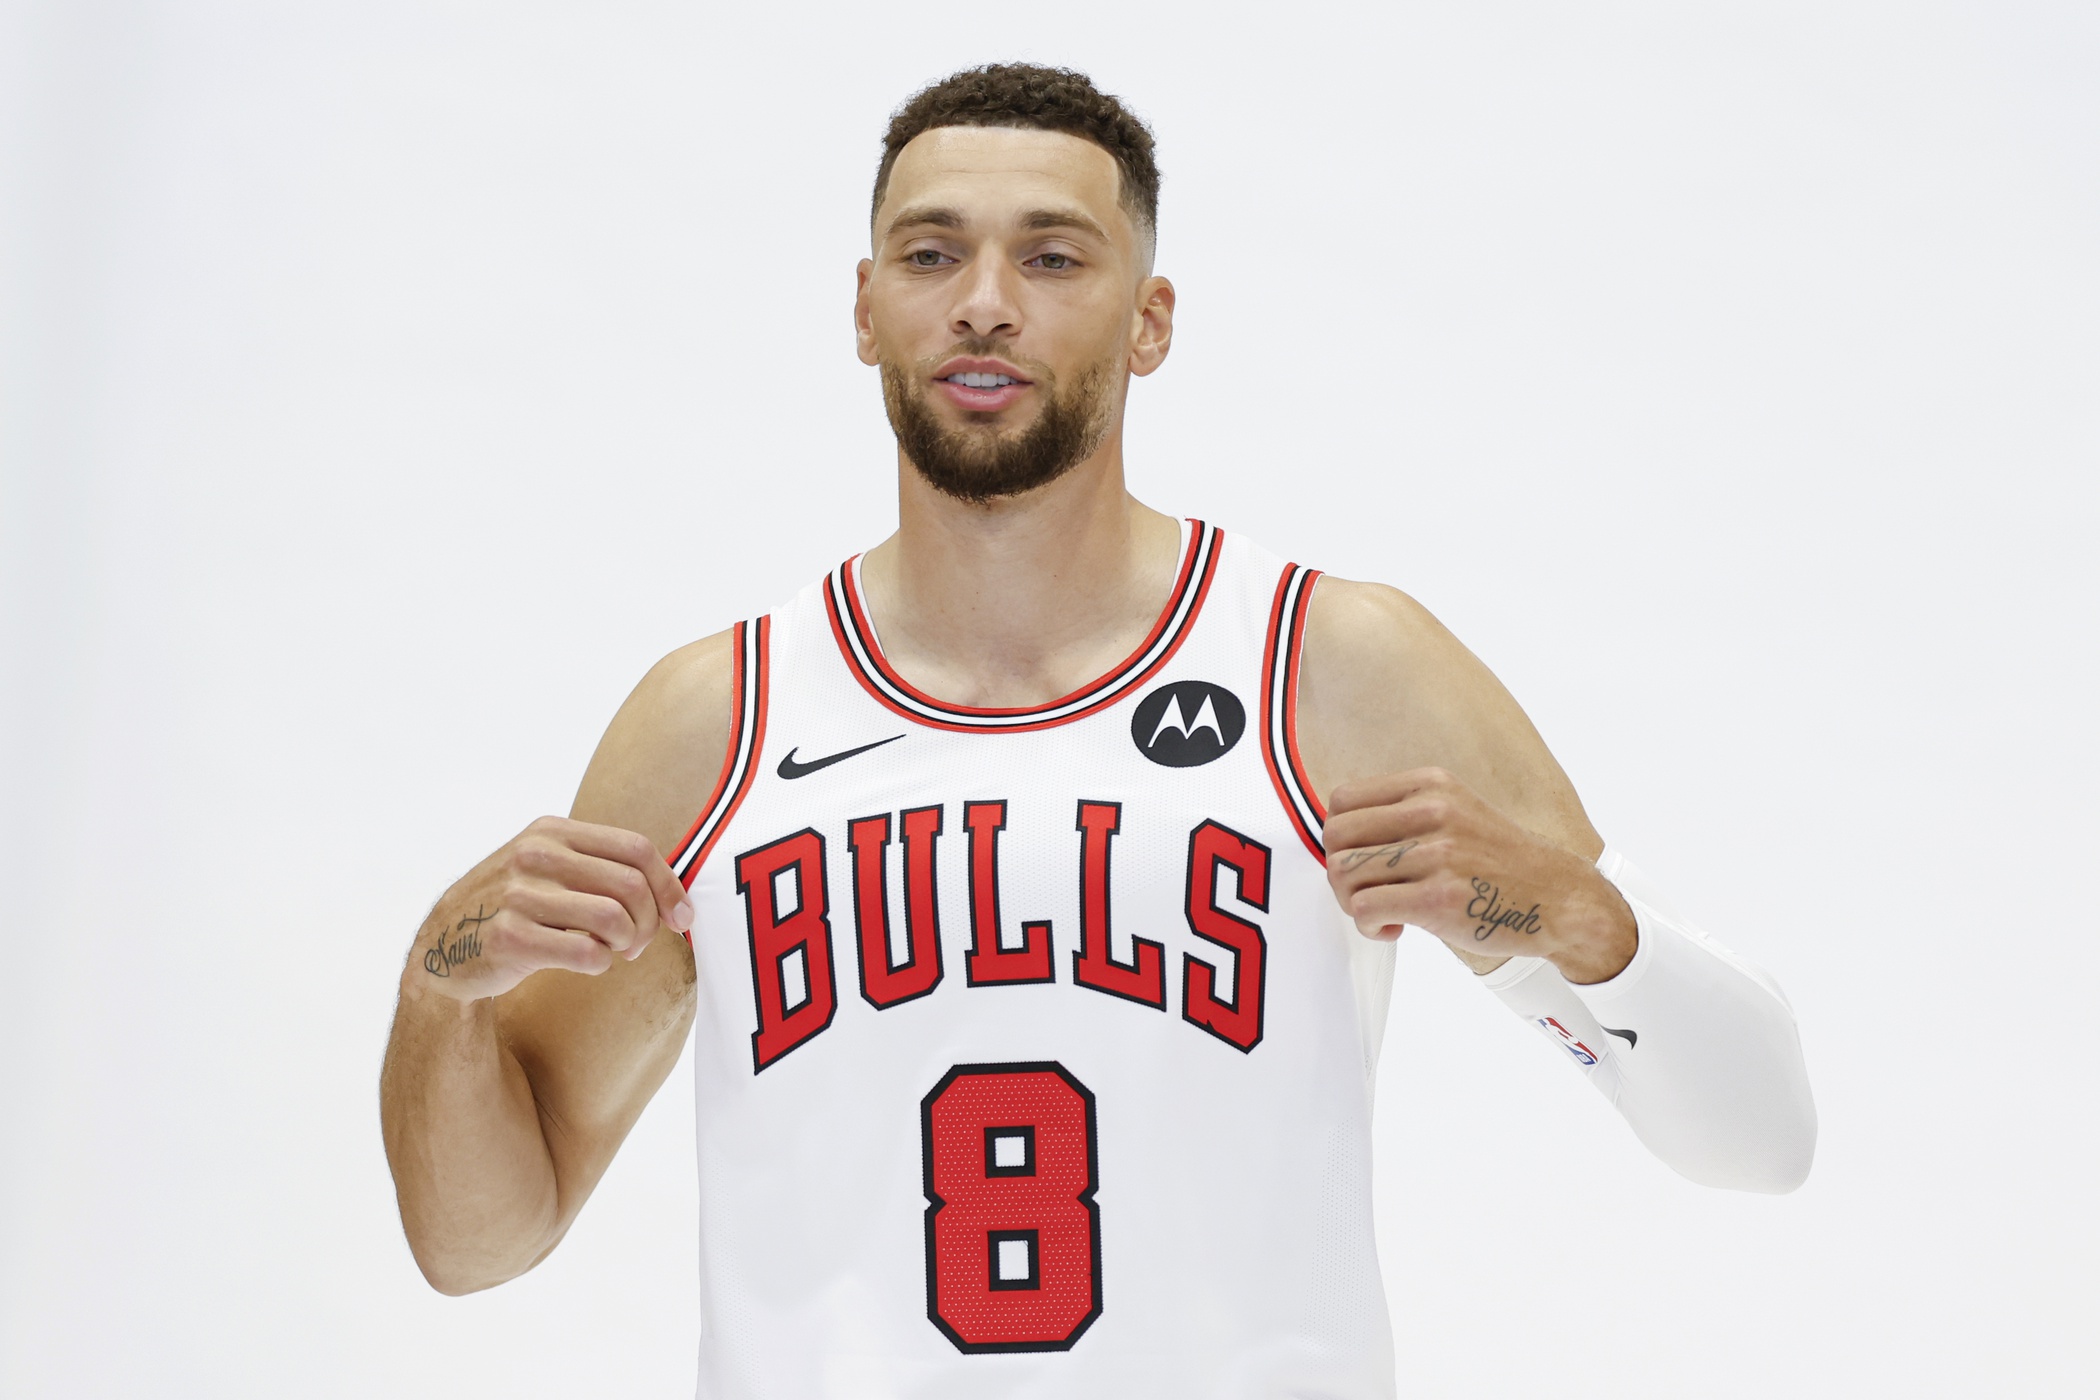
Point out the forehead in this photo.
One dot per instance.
(989, 171)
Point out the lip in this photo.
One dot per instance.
(981, 400)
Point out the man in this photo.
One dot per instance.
(1039, 870)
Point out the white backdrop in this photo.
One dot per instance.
(387, 384)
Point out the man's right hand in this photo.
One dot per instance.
(562, 893)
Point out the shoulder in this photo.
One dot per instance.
(1384, 687)
(682, 693)
(660, 756)
(1370, 648)
(1371, 622)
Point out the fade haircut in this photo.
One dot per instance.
(1028, 96)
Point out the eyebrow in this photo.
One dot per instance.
(1034, 221)
(1038, 219)
(926, 214)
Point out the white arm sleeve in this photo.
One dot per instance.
(1695, 1047)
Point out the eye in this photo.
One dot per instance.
(924, 257)
(1053, 262)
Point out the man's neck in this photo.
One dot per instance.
(1023, 600)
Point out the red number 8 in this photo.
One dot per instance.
(1013, 1237)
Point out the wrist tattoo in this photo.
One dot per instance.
(1487, 907)
(465, 944)
(1392, 853)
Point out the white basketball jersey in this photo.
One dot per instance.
(1033, 1054)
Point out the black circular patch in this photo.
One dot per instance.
(1188, 723)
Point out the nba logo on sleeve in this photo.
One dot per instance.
(1558, 1033)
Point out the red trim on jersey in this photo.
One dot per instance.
(759, 657)
(750, 640)
(966, 719)
(1292, 657)
(1283, 648)
(736, 733)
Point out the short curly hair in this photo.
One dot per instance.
(1038, 98)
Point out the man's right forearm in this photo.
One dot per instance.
(476, 1183)
(466, 1130)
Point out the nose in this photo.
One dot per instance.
(986, 302)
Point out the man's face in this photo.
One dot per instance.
(1006, 303)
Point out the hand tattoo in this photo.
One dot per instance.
(465, 944)
(1487, 906)
(1392, 853)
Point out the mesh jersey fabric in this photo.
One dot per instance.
(1033, 1055)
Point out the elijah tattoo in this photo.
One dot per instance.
(1487, 907)
(465, 944)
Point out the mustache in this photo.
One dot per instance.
(972, 348)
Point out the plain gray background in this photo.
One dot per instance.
(386, 385)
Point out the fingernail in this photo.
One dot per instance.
(682, 916)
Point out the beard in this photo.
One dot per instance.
(981, 464)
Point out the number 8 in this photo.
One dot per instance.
(1013, 1237)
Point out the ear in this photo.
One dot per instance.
(1151, 325)
(864, 315)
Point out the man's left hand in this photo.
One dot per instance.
(1422, 848)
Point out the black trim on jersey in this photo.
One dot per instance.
(979, 936)
(1189, 961)
(912, 932)
(809, 980)
(747, 740)
(913, 946)
(1025, 1132)
(860, 899)
(934, 1202)
(1279, 706)
(1135, 967)
(1195, 568)
(1033, 1280)
(780, 967)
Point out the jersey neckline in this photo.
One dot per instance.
(855, 634)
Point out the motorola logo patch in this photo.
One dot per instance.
(1188, 723)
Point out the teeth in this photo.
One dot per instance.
(981, 381)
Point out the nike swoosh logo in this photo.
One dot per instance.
(791, 769)
(1632, 1038)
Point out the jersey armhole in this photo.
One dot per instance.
(747, 738)
(1279, 705)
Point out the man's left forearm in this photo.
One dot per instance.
(1696, 1048)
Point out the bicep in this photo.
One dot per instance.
(596, 1049)
(1384, 687)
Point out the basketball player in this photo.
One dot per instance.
(1038, 873)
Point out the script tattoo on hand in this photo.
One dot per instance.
(465, 944)
(1392, 853)
(1487, 907)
